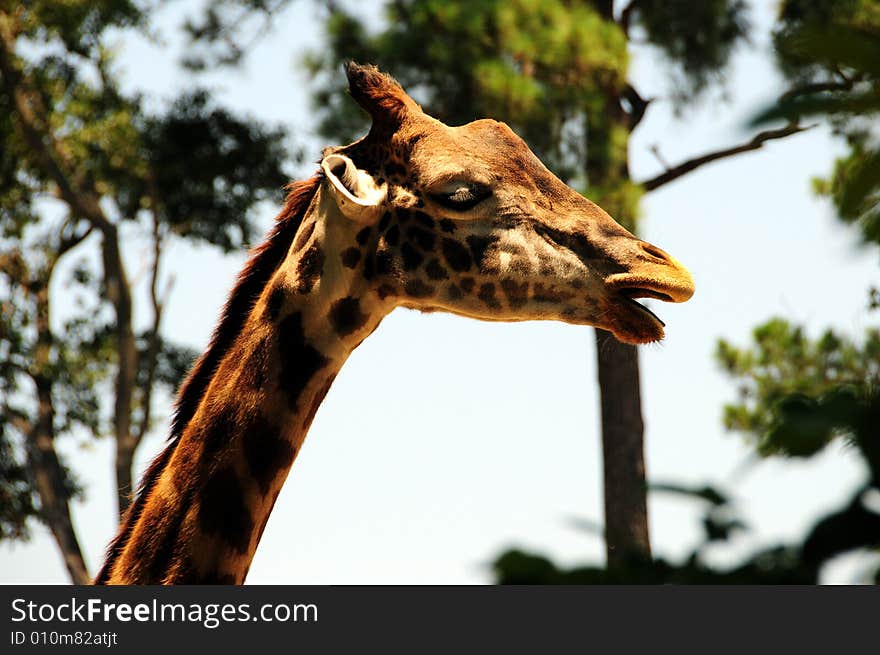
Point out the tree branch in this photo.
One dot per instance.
(17, 419)
(626, 17)
(70, 242)
(819, 87)
(689, 165)
(154, 341)
(38, 136)
(638, 106)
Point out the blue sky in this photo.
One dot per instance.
(445, 439)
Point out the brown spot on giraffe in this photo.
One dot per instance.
(415, 288)
(412, 258)
(418, 214)
(304, 235)
(351, 257)
(453, 292)
(274, 303)
(363, 235)
(216, 430)
(298, 358)
(436, 271)
(309, 268)
(369, 267)
(267, 452)
(346, 315)
(487, 295)
(425, 220)
(255, 374)
(517, 292)
(392, 236)
(223, 512)
(480, 246)
(457, 256)
(422, 239)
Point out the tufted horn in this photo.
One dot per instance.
(378, 94)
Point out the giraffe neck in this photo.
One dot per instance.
(204, 515)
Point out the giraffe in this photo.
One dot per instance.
(416, 214)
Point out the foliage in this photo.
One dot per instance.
(226, 29)
(230, 164)
(797, 395)
(721, 522)
(786, 375)
(831, 51)
(556, 72)
(79, 25)
(697, 38)
(84, 167)
(855, 525)
(532, 64)
(16, 495)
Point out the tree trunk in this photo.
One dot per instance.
(119, 294)
(626, 514)
(49, 481)
(49, 477)
(626, 509)
(124, 463)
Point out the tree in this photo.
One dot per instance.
(85, 168)
(831, 53)
(801, 426)
(557, 72)
(796, 394)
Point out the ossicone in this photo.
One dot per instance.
(379, 94)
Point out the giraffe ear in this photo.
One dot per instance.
(356, 192)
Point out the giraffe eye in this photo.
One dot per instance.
(463, 197)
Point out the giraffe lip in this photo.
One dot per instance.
(629, 300)
(630, 321)
(629, 295)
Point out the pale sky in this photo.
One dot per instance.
(445, 440)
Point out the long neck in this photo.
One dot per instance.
(207, 509)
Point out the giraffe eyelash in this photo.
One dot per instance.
(463, 198)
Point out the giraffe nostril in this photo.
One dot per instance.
(655, 252)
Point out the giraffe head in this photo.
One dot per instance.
(467, 220)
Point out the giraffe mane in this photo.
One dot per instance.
(263, 261)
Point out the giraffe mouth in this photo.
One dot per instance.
(629, 320)
(630, 294)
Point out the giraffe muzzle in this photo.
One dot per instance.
(662, 278)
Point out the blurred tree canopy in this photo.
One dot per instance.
(85, 169)
(831, 53)
(850, 412)
(796, 395)
(556, 71)
(785, 375)
(225, 30)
